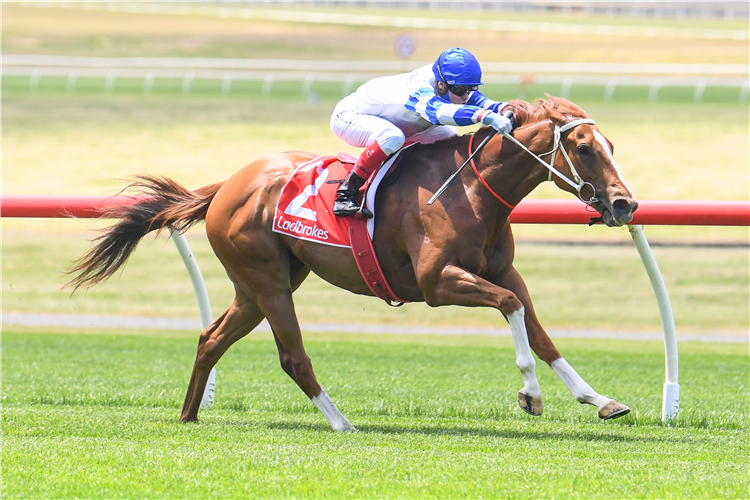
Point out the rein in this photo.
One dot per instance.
(473, 166)
(579, 183)
(455, 174)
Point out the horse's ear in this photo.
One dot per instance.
(550, 106)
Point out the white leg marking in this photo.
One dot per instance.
(580, 389)
(524, 359)
(328, 408)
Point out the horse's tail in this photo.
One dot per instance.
(163, 203)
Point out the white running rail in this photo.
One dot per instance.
(204, 304)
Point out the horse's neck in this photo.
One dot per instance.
(514, 173)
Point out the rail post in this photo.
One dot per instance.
(670, 404)
(204, 304)
(226, 84)
(148, 82)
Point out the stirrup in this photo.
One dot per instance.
(347, 207)
(345, 204)
(363, 213)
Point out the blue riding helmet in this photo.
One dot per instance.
(457, 67)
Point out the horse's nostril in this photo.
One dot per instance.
(623, 205)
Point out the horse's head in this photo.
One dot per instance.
(587, 158)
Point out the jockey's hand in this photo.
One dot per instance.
(499, 122)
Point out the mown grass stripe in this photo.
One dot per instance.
(96, 416)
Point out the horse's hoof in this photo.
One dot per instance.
(613, 409)
(531, 405)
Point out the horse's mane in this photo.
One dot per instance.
(557, 109)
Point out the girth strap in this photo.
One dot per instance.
(367, 262)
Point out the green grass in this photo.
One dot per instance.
(594, 288)
(96, 416)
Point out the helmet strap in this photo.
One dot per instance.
(440, 71)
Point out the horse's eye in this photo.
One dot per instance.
(583, 149)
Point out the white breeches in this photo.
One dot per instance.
(362, 131)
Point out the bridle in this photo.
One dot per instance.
(577, 183)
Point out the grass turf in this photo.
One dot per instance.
(96, 416)
(590, 288)
(299, 90)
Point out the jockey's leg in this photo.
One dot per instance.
(380, 138)
(433, 134)
(367, 164)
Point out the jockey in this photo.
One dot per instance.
(422, 106)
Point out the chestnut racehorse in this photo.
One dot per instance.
(456, 251)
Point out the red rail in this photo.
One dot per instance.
(49, 206)
(650, 212)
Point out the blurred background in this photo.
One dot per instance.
(95, 93)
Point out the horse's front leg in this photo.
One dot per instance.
(546, 350)
(456, 286)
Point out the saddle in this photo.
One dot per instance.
(304, 211)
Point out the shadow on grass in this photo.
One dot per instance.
(487, 432)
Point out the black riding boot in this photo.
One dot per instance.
(346, 197)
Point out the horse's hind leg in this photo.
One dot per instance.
(546, 350)
(241, 317)
(296, 364)
(270, 286)
(294, 360)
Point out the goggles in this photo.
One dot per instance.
(462, 90)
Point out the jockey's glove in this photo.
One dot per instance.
(499, 122)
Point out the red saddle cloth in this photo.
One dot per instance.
(304, 211)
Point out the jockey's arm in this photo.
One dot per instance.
(440, 111)
(476, 98)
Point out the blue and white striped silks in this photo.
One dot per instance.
(440, 111)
